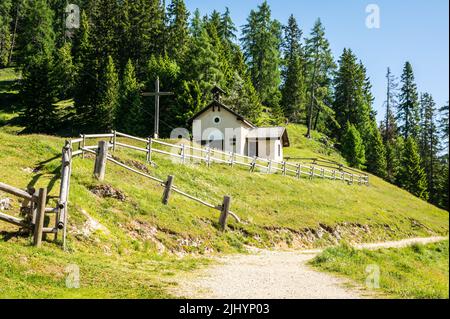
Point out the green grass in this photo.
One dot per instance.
(275, 210)
(318, 146)
(28, 272)
(417, 271)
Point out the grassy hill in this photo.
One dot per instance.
(127, 244)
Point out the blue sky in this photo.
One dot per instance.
(410, 30)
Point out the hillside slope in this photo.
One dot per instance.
(134, 240)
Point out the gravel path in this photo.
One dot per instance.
(266, 274)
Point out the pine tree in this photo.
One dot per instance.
(293, 89)
(203, 63)
(37, 89)
(227, 30)
(261, 43)
(408, 108)
(243, 99)
(105, 38)
(178, 30)
(376, 153)
(429, 144)
(350, 103)
(444, 125)
(37, 37)
(390, 124)
(106, 109)
(130, 117)
(64, 72)
(87, 81)
(353, 147)
(412, 176)
(142, 27)
(319, 70)
(5, 31)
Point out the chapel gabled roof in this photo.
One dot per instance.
(218, 104)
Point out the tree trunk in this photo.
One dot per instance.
(13, 39)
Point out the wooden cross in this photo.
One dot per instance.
(156, 94)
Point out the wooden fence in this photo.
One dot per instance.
(33, 204)
(309, 167)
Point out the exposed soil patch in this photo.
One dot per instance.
(143, 231)
(326, 234)
(105, 190)
(138, 165)
(135, 164)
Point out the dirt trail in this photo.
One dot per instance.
(276, 274)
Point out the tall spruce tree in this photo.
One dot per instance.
(130, 117)
(227, 30)
(389, 128)
(412, 176)
(203, 63)
(261, 44)
(142, 27)
(353, 147)
(64, 72)
(320, 67)
(444, 125)
(105, 38)
(37, 88)
(106, 109)
(87, 81)
(376, 153)
(5, 31)
(408, 108)
(429, 144)
(178, 30)
(293, 90)
(350, 102)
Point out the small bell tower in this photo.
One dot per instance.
(216, 92)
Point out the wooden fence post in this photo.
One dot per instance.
(299, 170)
(284, 168)
(269, 166)
(167, 189)
(231, 158)
(224, 212)
(322, 173)
(83, 145)
(114, 141)
(253, 165)
(208, 156)
(312, 172)
(100, 160)
(183, 156)
(38, 226)
(149, 150)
